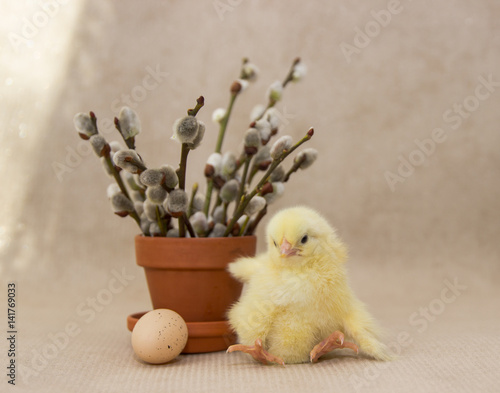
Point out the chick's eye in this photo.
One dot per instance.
(304, 239)
(275, 245)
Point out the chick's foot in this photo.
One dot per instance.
(257, 352)
(333, 341)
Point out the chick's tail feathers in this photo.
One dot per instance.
(360, 326)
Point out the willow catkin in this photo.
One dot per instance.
(156, 194)
(152, 177)
(281, 145)
(185, 129)
(130, 124)
(177, 202)
(84, 125)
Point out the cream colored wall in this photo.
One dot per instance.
(368, 108)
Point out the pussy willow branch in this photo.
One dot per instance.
(244, 226)
(161, 223)
(224, 122)
(253, 224)
(245, 199)
(189, 227)
(181, 171)
(253, 172)
(181, 174)
(217, 203)
(288, 78)
(241, 190)
(295, 167)
(191, 201)
(200, 101)
(218, 149)
(130, 142)
(119, 181)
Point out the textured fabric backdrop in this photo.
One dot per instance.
(404, 98)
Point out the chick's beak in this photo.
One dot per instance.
(286, 249)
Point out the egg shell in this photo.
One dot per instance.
(159, 336)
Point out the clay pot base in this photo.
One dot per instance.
(203, 336)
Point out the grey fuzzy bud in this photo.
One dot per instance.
(214, 164)
(156, 194)
(218, 214)
(306, 157)
(249, 71)
(199, 222)
(115, 146)
(121, 203)
(256, 204)
(154, 229)
(198, 202)
(218, 115)
(251, 141)
(145, 223)
(112, 190)
(177, 202)
(215, 159)
(174, 232)
(99, 144)
(280, 146)
(263, 156)
(171, 179)
(275, 91)
(218, 231)
(149, 210)
(272, 115)
(129, 160)
(278, 190)
(185, 129)
(199, 136)
(257, 112)
(139, 207)
(136, 196)
(228, 165)
(264, 128)
(252, 138)
(229, 191)
(130, 124)
(299, 71)
(277, 175)
(84, 125)
(241, 220)
(152, 177)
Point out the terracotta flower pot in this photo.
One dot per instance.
(189, 276)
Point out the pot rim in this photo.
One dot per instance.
(193, 239)
(191, 253)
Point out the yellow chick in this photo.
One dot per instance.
(297, 304)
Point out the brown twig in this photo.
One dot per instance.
(188, 225)
(246, 198)
(295, 167)
(288, 78)
(253, 224)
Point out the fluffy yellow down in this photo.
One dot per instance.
(294, 302)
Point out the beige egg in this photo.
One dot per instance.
(159, 336)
